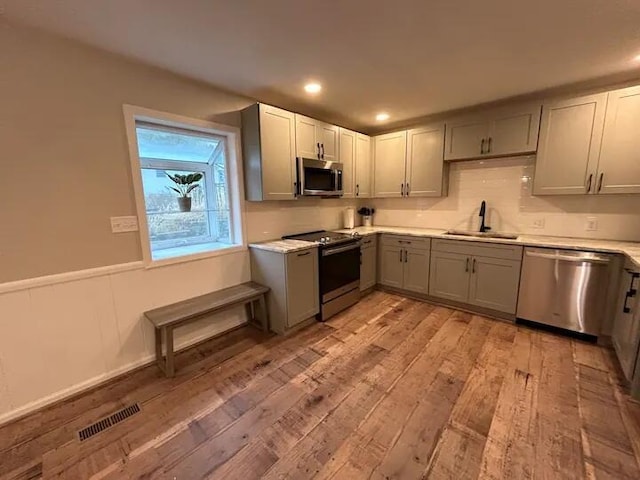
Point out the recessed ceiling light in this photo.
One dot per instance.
(381, 117)
(312, 88)
(637, 58)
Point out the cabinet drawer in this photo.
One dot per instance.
(491, 250)
(370, 241)
(420, 243)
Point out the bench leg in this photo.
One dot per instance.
(264, 313)
(170, 368)
(251, 317)
(159, 356)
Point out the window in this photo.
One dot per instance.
(186, 189)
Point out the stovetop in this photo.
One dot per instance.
(323, 237)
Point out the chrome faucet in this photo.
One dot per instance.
(483, 211)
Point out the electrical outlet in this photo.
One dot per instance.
(124, 224)
(538, 223)
(592, 224)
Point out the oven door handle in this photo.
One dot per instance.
(334, 251)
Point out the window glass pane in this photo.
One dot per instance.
(170, 145)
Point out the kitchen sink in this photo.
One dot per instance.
(467, 233)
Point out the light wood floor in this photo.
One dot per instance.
(392, 388)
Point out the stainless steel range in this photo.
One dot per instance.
(339, 267)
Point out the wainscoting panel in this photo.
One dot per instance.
(62, 337)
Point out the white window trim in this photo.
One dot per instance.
(134, 113)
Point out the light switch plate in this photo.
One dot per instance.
(592, 224)
(124, 224)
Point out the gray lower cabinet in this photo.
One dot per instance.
(481, 274)
(293, 280)
(449, 276)
(368, 262)
(404, 263)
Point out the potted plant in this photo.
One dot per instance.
(185, 184)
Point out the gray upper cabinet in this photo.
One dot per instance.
(425, 168)
(293, 281)
(619, 164)
(570, 137)
(482, 274)
(315, 139)
(404, 262)
(368, 263)
(348, 160)
(410, 163)
(389, 165)
(303, 296)
(363, 166)
(268, 141)
(500, 132)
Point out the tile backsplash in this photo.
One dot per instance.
(505, 184)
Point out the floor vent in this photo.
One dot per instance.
(104, 423)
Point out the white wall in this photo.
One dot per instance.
(59, 337)
(506, 186)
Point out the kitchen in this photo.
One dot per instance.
(449, 273)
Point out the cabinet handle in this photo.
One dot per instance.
(318, 144)
(400, 255)
(407, 190)
(304, 254)
(600, 182)
(631, 293)
(589, 182)
(489, 145)
(322, 145)
(466, 265)
(473, 266)
(405, 256)
(402, 189)
(482, 147)
(357, 190)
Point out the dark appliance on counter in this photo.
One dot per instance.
(320, 178)
(339, 269)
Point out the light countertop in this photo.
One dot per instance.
(283, 246)
(630, 249)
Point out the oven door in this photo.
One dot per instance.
(339, 270)
(320, 178)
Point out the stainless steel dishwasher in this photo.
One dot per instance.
(564, 288)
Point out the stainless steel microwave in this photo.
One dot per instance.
(319, 178)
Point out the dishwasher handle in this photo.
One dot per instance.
(568, 258)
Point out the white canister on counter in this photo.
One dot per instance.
(349, 217)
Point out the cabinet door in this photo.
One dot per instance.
(425, 163)
(277, 139)
(368, 265)
(348, 160)
(363, 166)
(619, 166)
(449, 276)
(570, 137)
(514, 131)
(466, 138)
(303, 296)
(494, 283)
(626, 327)
(307, 143)
(389, 164)
(391, 266)
(329, 138)
(416, 270)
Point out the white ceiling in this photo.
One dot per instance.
(408, 57)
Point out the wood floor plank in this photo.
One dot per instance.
(390, 388)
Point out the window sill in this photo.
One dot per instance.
(190, 257)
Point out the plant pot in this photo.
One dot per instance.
(184, 203)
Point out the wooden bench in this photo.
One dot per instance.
(166, 319)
